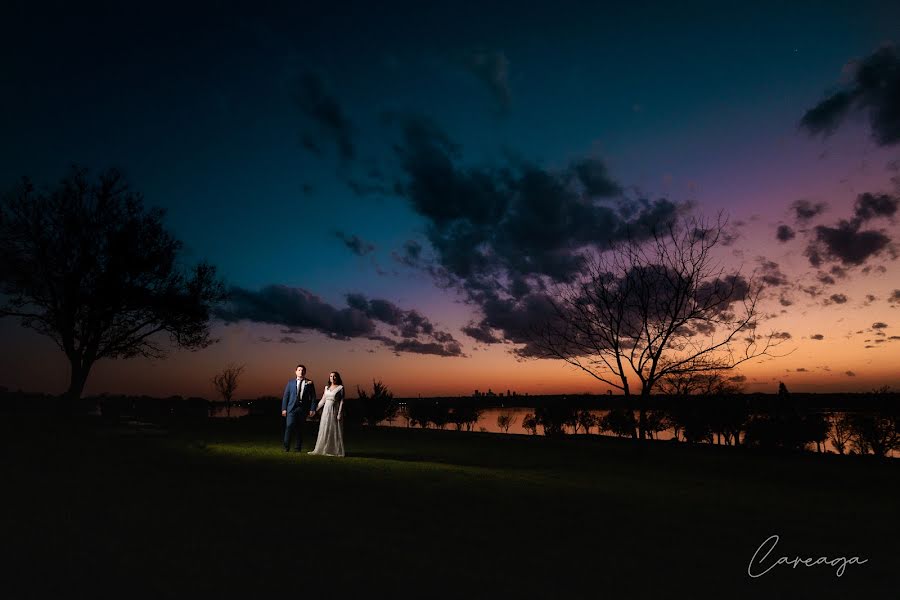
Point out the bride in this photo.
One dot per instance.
(331, 439)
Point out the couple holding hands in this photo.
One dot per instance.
(298, 399)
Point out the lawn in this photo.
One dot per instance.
(220, 510)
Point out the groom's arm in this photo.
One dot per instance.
(285, 398)
(311, 388)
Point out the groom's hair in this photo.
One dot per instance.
(300, 366)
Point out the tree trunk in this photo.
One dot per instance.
(76, 383)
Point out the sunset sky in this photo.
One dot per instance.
(338, 162)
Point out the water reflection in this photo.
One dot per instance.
(489, 420)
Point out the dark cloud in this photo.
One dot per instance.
(355, 244)
(784, 233)
(825, 278)
(512, 222)
(407, 324)
(836, 299)
(847, 244)
(850, 373)
(782, 335)
(879, 325)
(802, 370)
(770, 273)
(417, 347)
(595, 179)
(874, 89)
(410, 255)
(817, 336)
(481, 332)
(785, 301)
(895, 297)
(326, 113)
(492, 69)
(804, 210)
(295, 308)
(300, 310)
(869, 206)
(838, 271)
(738, 378)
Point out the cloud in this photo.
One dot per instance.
(481, 332)
(836, 299)
(845, 243)
(298, 310)
(804, 210)
(869, 206)
(326, 113)
(802, 370)
(850, 373)
(356, 245)
(771, 273)
(825, 278)
(895, 297)
(514, 221)
(782, 335)
(879, 325)
(874, 89)
(817, 336)
(410, 255)
(784, 233)
(409, 325)
(492, 69)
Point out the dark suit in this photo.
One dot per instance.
(297, 404)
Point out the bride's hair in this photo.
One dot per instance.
(337, 378)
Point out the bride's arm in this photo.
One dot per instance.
(339, 397)
(322, 401)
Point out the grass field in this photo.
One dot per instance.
(220, 510)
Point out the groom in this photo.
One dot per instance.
(299, 398)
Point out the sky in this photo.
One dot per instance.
(383, 188)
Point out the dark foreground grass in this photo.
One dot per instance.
(222, 511)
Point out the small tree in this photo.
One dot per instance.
(618, 421)
(89, 267)
(506, 421)
(586, 419)
(377, 407)
(226, 383)
(530, 424)
(841, 431)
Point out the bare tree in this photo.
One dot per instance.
(86, 265)
(653, 309)
(530, 424)
(226, 383)
(586, 420)
(841, 433)
(504, 422)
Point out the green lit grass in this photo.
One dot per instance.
(220, 509)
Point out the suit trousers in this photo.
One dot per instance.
(294, 426)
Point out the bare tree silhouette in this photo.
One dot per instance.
(504, 422)
(86, 265)
(653, 309)
(530, 424)
(226, 383)
(841, 432)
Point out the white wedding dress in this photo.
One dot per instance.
(330, 441)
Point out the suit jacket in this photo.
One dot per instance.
(298, 403)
